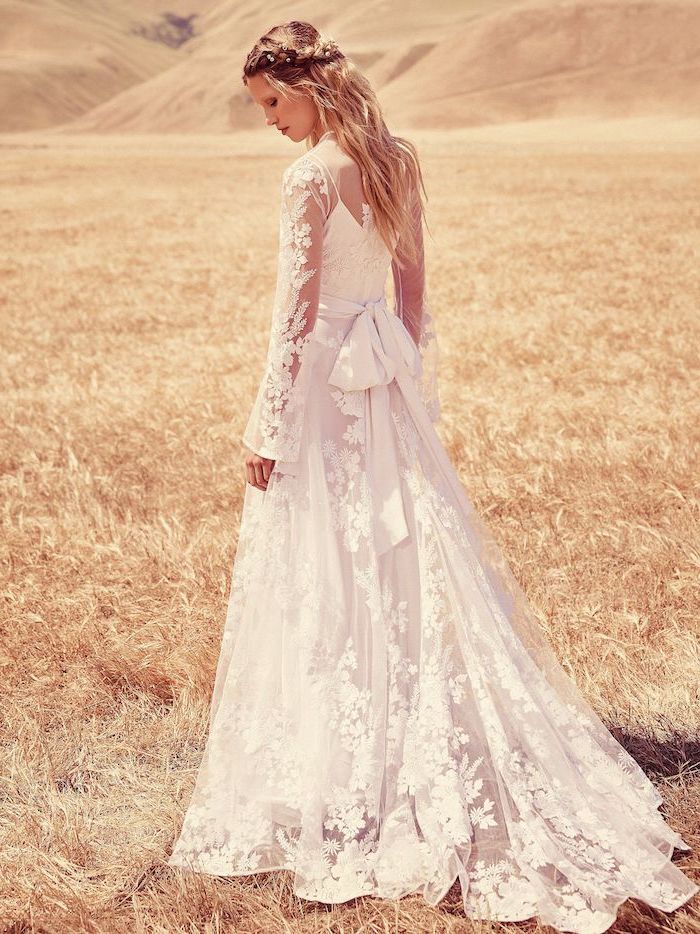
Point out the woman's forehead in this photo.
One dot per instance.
(260, 87)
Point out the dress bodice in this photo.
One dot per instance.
(356, 260)
(333, 267)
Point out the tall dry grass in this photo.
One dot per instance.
(136, 280)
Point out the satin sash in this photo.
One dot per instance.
(377, 350)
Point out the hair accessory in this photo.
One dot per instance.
(327, 48)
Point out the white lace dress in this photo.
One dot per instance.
(387, 715)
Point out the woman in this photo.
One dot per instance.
(387, 715)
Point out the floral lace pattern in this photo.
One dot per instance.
(383, 724)
(366, 252)
(275, 423)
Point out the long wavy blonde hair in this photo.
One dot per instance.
(297, 59)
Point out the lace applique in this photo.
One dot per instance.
(350, 504)
(367, 250)
(352, 404)
(341, 262)
(275, 423)
(367, 219)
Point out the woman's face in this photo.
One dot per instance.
(297, 115)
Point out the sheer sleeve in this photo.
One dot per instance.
(276, 421)
(412, 305)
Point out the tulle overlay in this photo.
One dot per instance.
(387, 714)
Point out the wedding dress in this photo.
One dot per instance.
(387, 715)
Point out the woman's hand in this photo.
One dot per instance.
(258, 469)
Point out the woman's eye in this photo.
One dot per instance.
(273, 101)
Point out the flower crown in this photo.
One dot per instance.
(318, 52)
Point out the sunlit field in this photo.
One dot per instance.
(136, 285)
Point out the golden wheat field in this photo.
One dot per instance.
(137, 278)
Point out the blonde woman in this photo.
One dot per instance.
(387, 715)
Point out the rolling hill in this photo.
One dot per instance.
(443, 66)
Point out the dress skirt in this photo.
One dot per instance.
(387, 714)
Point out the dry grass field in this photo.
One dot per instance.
(136, 280)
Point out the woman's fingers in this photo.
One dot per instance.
(258, 470)
(250, 474)
(260, 480)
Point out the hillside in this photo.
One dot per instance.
(61, 58)
(439, 67)
(599, 58)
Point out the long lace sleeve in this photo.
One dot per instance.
(276, 421)
(412, 305)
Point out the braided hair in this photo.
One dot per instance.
(273, 53)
